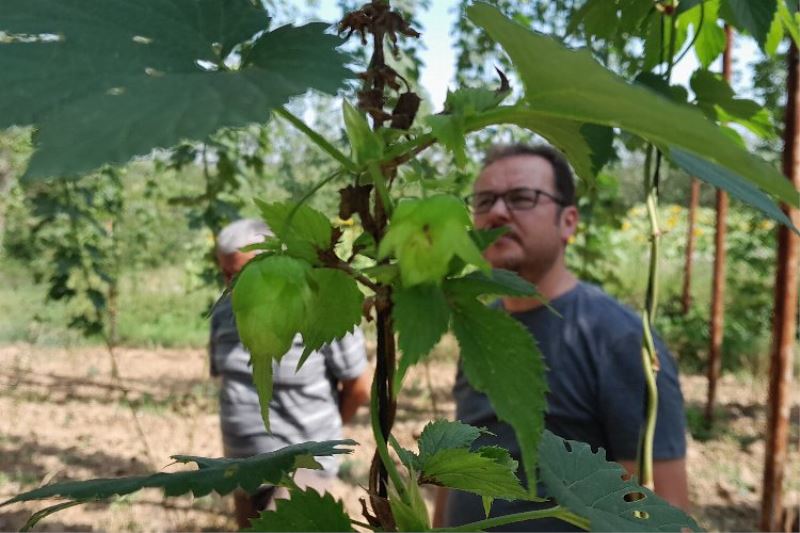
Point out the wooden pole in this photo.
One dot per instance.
(718, 285)
(694, 202)
(783, 321)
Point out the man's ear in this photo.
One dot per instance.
(569, 222)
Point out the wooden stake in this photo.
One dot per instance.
(694, 202)
(784, 322)
(718, 285)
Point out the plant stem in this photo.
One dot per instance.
(380, 439)
(650, 363)
(552, 512)
(318, 139)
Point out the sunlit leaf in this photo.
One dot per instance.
(571, 85)
(752, 17)
(270, 300)
(364, 143)
(425, 235)
(304, 230)
(334, 311)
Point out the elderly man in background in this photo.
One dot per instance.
(310, 404)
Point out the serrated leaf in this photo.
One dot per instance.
(270, 301)
(449, 126)
(498, 282)
(788, 16)
(365, 144)
(775, 36)
(718, 101)
(443, 434)
(502, 360)
(219, 475)
(589, 486)
(735, 185)
(753, 17)
(421, 316)
(571, 85)
(304, 230)
(425, 234)
(116, 79)
(450, 130)
(484, 472)
(305, 510)
(334, 311)
(709, 38)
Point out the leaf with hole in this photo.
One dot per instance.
(585, 483)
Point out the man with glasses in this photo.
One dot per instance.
(592, 346)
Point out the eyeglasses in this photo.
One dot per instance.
(518, 199)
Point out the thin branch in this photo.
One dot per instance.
(318, 139)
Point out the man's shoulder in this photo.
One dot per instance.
(603, 313)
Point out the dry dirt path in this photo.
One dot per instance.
(61, 417)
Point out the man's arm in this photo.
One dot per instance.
(670, 480)
(354, 393)
(440, 506)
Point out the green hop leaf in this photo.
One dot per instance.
(488, 471)
(270, 300)
(106, 80)
(305, 510)
(501, 359)
(421, 316)
(585, 483)
(425, 235)
(445, 435)
(217, 475)
(449, 127)
(303, 230)
(334, 310)
(365, 144)
(570, 85)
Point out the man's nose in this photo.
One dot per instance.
(499, 212)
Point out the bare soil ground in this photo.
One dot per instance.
(62, 417)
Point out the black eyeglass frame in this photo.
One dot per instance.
(537, 193)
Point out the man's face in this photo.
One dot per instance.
(232, 264)
(536, 236)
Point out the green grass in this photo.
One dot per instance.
(156, 308)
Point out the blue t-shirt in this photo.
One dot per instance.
(597, 393)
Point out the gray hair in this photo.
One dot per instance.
(241, 233)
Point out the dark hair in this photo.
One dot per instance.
(565, 182)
